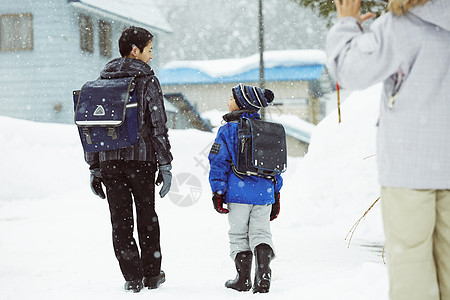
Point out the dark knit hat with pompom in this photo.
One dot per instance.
(251, 97)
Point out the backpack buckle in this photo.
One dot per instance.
(112, 133)
(87, 135)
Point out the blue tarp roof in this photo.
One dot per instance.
(283, 73)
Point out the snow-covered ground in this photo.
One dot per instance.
(55, 240)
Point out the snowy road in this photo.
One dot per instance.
(60, 248)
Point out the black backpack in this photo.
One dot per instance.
(106, 113)
(261, 148)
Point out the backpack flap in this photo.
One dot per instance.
(103, 102)
(262, 148)
(106, 114)
(269, 153)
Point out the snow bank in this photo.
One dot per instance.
(337, 181)
(39, 159)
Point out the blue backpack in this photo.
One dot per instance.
(106, 113)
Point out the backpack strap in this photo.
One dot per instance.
(236, 172)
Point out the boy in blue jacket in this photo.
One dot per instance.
(252, 201)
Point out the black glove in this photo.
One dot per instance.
(96, 183)
(218, 201)
(164, 177)
(275, 207)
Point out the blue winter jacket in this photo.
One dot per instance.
(245, 189)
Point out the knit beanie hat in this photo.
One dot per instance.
(251, 97)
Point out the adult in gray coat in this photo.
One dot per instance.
(408, 49)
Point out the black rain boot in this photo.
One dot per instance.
(263, 256)
(154, 282)
(134, 286)
(242, 282)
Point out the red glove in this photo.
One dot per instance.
(218, 201)
(275, 207)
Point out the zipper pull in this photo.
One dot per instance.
(243, 144)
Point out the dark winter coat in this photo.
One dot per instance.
(153, 143)
(254, 190)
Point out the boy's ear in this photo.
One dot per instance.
(134, 52)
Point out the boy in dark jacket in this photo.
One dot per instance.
(252, 201)
(129, 173)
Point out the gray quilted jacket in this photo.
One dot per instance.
(410, 54)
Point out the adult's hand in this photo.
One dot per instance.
(350, 8)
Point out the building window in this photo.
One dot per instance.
(105, 35)
(16, 32)
(86, 33)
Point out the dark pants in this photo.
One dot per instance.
(126, 181)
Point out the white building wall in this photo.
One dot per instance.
(32, 82)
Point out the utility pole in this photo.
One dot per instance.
(261, 50)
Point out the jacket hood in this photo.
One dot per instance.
(126, 67)
(436, 12)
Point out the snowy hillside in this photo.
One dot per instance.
(55, 234)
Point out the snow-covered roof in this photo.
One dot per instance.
(280, 65)
(144, 12)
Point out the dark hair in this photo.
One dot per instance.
(133, 36)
